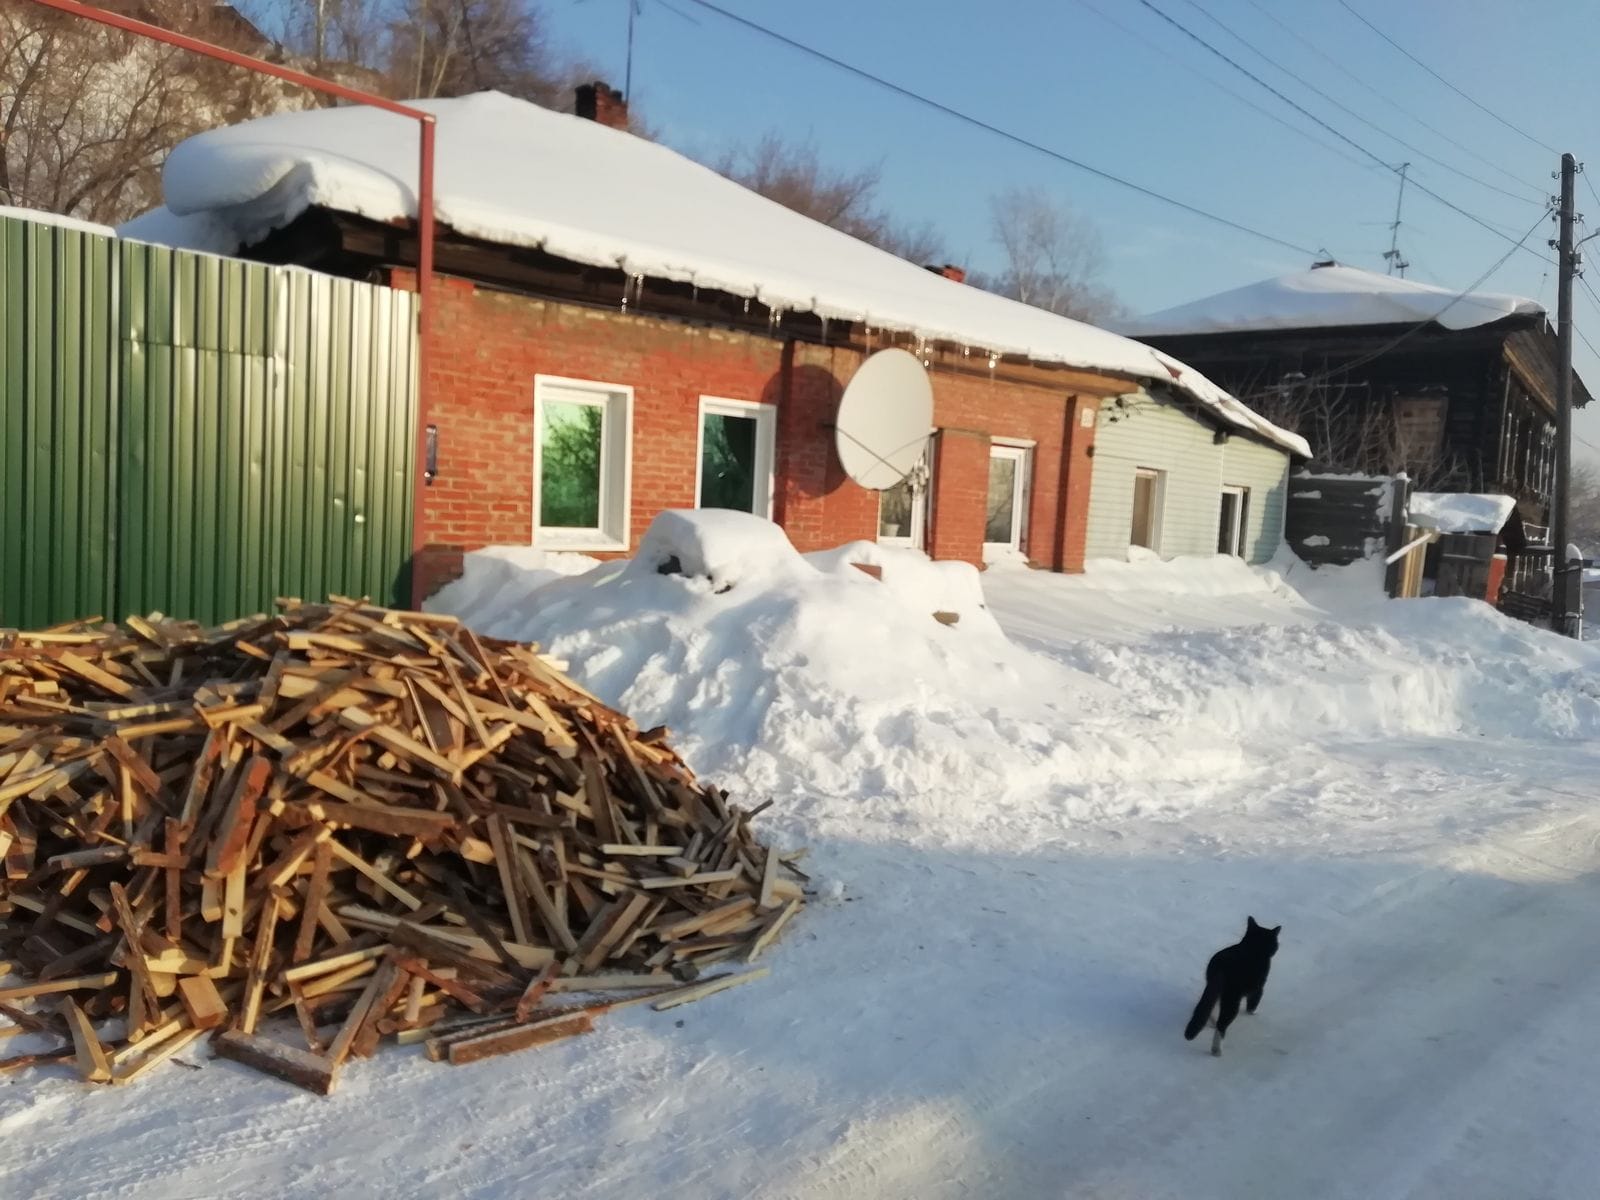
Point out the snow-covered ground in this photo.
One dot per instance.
(1026, 848)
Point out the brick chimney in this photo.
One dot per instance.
(949, 271)
(603, 103)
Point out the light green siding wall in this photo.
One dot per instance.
(1159, 435)
(1265, 472)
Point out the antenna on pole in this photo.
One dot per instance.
(1396, 260)
(627, 74)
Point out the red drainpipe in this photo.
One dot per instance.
(425, 122)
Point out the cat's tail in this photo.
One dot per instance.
(1202, 1012)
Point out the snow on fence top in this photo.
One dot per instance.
(56, 219)
(1324, 297)
(1459, 512)
(516, 174)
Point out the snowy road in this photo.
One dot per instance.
(995, 1008)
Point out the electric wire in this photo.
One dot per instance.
(1469, 99)
(1346, 109)
(1343, 137)
(1394, 104)
(1146, 44)
(988, 127)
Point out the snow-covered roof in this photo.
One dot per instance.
(41, 217)
(1329, 296)
(1459, 512)
(516, 174)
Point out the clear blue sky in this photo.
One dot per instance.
(1110, 83)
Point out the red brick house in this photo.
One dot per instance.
(621, 331)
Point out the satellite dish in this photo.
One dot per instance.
(885, 417)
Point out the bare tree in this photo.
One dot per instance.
(1053, 256)
(1351, 429)
(1583, 517)
(455, 47)
(88, 114)
(793, 174)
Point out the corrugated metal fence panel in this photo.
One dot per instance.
(57, 423)
(346, 436)
(250, 429)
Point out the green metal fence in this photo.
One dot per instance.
(195, 435)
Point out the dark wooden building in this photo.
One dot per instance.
(1385, 374)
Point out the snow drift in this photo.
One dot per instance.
(805, 678)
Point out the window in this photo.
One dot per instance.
(736, 451)
(1006, 512)
(583, 438)
(1148, 486)
(1234, 521)
(903, 509)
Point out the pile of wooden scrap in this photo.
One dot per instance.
(371, 821)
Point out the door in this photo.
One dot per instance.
(1148, 486)
(1233, 521)
(1007, 501)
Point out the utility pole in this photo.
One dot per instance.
(1396, 261)
(1566, 609)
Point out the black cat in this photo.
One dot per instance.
(1235, 974)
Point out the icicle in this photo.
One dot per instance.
(747, 306)
(824, 330)
(994, 360)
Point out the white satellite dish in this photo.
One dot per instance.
(885, 417)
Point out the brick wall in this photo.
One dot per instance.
(490, 345)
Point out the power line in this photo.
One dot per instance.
(1145, 43)
(1589, 183)
(1595, 300)
(1514, 129)
(979, 123)
(1345, 108)
(1413, 330)
(1450, 204)
(1394, 104)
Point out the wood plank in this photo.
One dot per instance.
(315, 896)
(93, 1064)
(202, 1002)
(260, 963)
(296, 1066)
(521, 1037)
(231, 836)
(710, 987)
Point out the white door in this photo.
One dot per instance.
(1007, 507)
(1149, 488)
(1233, 521)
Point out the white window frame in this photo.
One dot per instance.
(616, 462)
(1158, 505)
(1241, 517)
(766, 418)
(921, 507)
(1021, 451)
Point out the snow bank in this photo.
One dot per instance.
(718, 545)
(1325, 297)
(516, 174)
(1137, 687)
(1459, 512)
(501, 579)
